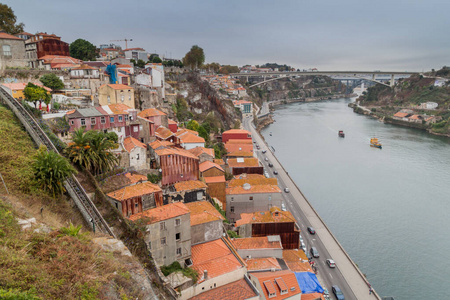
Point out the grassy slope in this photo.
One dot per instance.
(48, 266)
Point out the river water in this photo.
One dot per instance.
(389, 208)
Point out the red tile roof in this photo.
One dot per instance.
(239, 147)
(119, 109)
(120, 86)
(214, 179)
(240, 154)
(274, 215)
(203, 212)
(175, 151)
(189, 185)
(162, 213)
(215, 257)
(130, 143)
(281, 279)
(157, 144)
(172, 122)
(183, 131)
(163, 133)
(296, 260)
(128, 49)
(312, 296)
(239, 141)
(19, 86)
(257, 243)
(188, 138)
(136, 190)
(206, 165)
(259, 264)
(254, 189)
(84, 67)
(401, 114)
(200, 150)
(134, 178)
(237, 131)
(151, 112)
(247, 162)
(6, 36)
(238, 290)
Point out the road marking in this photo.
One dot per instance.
(330, 275)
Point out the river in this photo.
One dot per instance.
(389, 208)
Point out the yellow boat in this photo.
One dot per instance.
(374, 143)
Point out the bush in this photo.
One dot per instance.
(233, 234)
(175, 266)
(154, 178)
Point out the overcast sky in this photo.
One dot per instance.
(392, 35)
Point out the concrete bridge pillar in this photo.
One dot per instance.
(392, 80)
(373, 76)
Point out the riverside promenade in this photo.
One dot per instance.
(356, 281)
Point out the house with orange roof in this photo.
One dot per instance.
(261, 264)
(186, 191)
(234, 134)
(136, 54)
(240, 153)
(236, 147)
(214, 177)
(135, 154)
(402, 116)
(116, 94)
(246, 107)
(173, 126)
(204, 154)
(156, 116)
(43, 44)
(256, 247)
(241, 289)
(13, 51)
(276, 285)
(55, 62)
(164, 134)
(271, 222)
(189, 139)
(176, 165)
(296, 260)
(168, 233)
(247, 165)
(415, 119)
(136, 198)
(251, 195)
(16, 89)
(210, 169)
(217, 264)
(84, 72)
(206, 222)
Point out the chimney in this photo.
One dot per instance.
(205, 274)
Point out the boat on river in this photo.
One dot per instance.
(375, 143)
(341, 133)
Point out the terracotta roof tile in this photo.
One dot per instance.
(401, 114)
(238, 147)
(191, 138)
(84, 67)
(215, 257)
(238, 290)
(183, 131)
(203, 212)
(239, 141)
(257, 243)
(214, 179)
(240, 154)
(136, 190)
(163, 133)
(252, 179)
(296, 260)
(259, 264)
(162, 213)
(288, 281)
(219, 161)
(19, 86)
(119, 109)
(247, 162)
(4, 35)
(135, 178)
(249, 176)
(255, 189)
(200, 150)
(237, 131)
(157, 144)
(189, 185)
(206, 165)
(172, 122)
(175, 151)
(151, 112)
(120, 86)
(274, 215)
(312, 296)
(130, 143)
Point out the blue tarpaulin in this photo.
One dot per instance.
(308, 282)
(112, 72)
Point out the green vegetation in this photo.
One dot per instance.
(182, 109)
(195, 58)
(140, 63)
(52, 81)
(192, 125)
(233, 234)
(227, 69)
(219, 150)
(34, 93)
(175, 266)
(83, 50)
(8, 20)
(154, 178)
(50, 171)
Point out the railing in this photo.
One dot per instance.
(73, 187)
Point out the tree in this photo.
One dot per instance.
(83, 50)
(192, 125)
(140, 63)
(212, 66)
(8, 20)
(229, 69)
(203, 133)
(194, 58)
(50, 171)
(52, 81)
(34, 93)
(156, 60)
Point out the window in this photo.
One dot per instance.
(179, 251)
(109, 100)
(232, 209)
(250, 198)
(199, 195)
(111, 119)
(162, 225)
(177, 222)
(137, 156)
(232, 198)
(129, 97)
(178, 236)
(126, 118)
(141, 127)
(83, 122)
(163, 241)
(122, 98)
(7, 50)
(72, 122)
(92, 121)
(103, 120)
(120, 118)
(135, 128)
(136, 205)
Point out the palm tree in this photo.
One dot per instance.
(78, 151)
(50, 170)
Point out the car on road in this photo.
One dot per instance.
(331, 263)
(266, 159)
(257, 147)
(266, 174)
(337, 292)
(283, 206)
(314, 252)
(311, 230)
(303, 247)
(264, 151)
(275, 172)
(271, 165)
(286, 190)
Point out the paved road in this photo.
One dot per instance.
(345, 275)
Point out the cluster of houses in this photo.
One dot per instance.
(182, 223)
(408, 115)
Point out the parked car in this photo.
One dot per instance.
(266, 159)
(264, 151)
(311, 230)
(303, 247)
(271, 165)
(314, 252)
(286, 190)
(275, 172)
(301, 238)
(283, 206)
(331, 263)
(266, 174)
(337, 292)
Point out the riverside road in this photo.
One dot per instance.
(346, 275)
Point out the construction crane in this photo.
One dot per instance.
(124, 40)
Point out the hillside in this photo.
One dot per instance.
(53, 259)
(411, 94)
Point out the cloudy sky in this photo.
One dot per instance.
(392, 35)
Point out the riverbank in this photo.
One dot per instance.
(373, 113)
